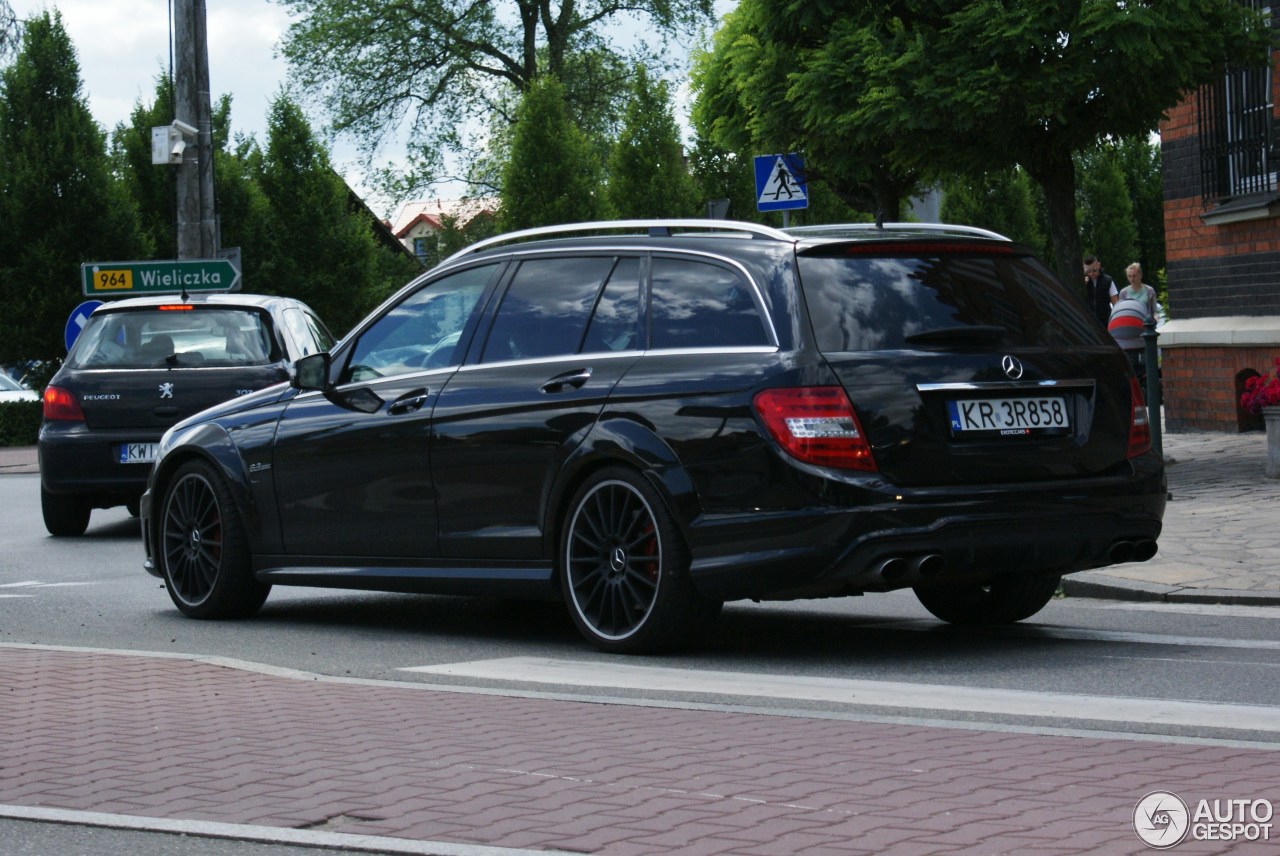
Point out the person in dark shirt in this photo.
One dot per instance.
(1100, 289)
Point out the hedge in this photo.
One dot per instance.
(19, 422)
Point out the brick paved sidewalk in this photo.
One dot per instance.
(175, 738)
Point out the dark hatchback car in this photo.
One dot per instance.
(646, 420)
(139, 366)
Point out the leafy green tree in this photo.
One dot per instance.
(720, 174)
(744, 103)
(598, 80)
(647, 173)
(983, 85)
(1107, 227)
(9, 30)
(244, 217)
(438, 67)
(59, 203)
(1002, 201)
(551, 177)
(321, 251)
(153, 188)
(1139, 160)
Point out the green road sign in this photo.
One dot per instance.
(121, 279)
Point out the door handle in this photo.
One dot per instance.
(574, 379)
(409, 402)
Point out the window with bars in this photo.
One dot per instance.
(1236, 131)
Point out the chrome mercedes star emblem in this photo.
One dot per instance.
(1012, 366)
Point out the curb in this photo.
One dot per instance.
(1102, 586)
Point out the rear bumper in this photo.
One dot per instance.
(76, 460)
(916, 538)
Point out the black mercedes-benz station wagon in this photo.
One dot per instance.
(648, 419)
(139, 366)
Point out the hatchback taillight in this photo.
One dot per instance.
(1140, 424)
(817, 425)
(61, 404)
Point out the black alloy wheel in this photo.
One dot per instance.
(625, 569)
(1004, 600)
(203, 554)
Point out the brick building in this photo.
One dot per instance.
(1222, 237)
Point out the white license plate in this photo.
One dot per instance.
(137, 453)
(1009, 416)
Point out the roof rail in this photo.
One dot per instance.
(836, 229)
(656, 228)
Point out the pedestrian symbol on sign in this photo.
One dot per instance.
(780, 183)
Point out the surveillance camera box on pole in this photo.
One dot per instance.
(167, 145)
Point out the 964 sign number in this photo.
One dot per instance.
(113, 280)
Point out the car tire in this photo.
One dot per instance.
(625, 569)
(64, 516)
(203, 554)
(1004, 600)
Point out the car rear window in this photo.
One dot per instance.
(184, 335)
(864, 302)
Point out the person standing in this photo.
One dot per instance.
(1138, 290)
(1135, 303)
(1100, 289)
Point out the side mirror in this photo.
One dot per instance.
(312, 372)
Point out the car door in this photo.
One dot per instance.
(567, 328)
(352, 464)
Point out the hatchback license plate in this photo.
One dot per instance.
(1009, 416)
(137, 453)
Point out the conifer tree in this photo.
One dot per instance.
(59, 202)
(647, 172)
(551, 176)
(322, 250)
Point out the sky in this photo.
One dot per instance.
(123, 45)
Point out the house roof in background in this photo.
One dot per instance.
(433, 211)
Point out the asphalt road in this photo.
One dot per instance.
(1193, 673)
(92, 592)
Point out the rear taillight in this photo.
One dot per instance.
(817, 425)
(1140, 425)
(60, 404)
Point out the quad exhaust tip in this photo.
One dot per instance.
(897, 568)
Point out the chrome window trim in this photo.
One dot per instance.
(592, 356)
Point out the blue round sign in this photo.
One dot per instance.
(79, 316)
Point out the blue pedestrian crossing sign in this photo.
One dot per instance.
(780, 183)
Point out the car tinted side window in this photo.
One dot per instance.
(308, 333)
(615, 324)
(422, 331)
(699, 305)
(544, 312)
(319, 332)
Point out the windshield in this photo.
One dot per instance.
(182, 336)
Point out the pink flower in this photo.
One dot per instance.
(1262, 391)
